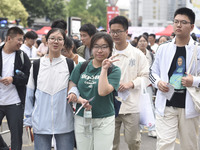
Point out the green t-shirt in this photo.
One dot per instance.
(87, 84)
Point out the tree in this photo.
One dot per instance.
(98, 8)
(13, 9)
(90, 11)
(52, 9)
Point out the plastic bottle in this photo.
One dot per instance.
(88, 122)
(18, 72)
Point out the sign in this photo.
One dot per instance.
(111, 13)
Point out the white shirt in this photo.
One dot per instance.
(31, 52)
(8, 94)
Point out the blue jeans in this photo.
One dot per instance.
(63, 141)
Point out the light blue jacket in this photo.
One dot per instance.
(51, 114)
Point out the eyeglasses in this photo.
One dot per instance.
(52, 39)
(182, 22)
(103, 47)
(116, 32)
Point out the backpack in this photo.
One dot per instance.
(117, 103)
(36, 66)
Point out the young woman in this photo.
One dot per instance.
(50, 114)
(95, 82)
(142, 45)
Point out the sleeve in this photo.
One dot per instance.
(75, 75)
(29, 100)
(196, 79)
(142, 72)
(154, 76)
(21, 80)
(114, 77)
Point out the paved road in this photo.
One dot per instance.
(148, 143)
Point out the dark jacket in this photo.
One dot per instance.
(19, 81)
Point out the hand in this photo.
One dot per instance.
(108, 62)
(72, 98)
(162, 86)
(7, 80)
(187, 81)
(87, 104)
(125, 86)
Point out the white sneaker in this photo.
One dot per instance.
(152, 134)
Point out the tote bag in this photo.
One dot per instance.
(147, 117)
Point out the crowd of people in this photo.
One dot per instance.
(69, 84)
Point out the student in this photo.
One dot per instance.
(50, 114)
(97, 82)
(172, 61)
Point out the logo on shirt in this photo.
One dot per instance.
(132, 62)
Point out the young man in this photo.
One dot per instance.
(28, 46)
(169, 67)
(13, 85)
(152, 42)
(134, 68)
(86, 32)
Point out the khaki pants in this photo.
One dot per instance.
(103, 134)
(172, 122)
(131, 131)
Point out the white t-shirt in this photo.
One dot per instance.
(8, 94)
(31, 52)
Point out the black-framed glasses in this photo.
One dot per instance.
(102, 47)
(116, 32)
(52, 39)
(183, 22)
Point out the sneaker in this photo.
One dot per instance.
(152, 134)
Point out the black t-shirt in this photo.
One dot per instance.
(176, 72)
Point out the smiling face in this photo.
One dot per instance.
(101, 50)
(55, 42)
(15, 42)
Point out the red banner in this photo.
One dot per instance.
(111, 13)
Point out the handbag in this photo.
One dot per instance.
(147, 116)
(194, 91)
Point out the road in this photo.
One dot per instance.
(148, 143)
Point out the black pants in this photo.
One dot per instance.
(14, 115)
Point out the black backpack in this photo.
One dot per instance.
(117, 103)
(36, 66)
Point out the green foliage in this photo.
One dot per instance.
(13, 9)
(90, 11)
(52, 9)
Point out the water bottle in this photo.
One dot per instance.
(18, 72)
(88, 122)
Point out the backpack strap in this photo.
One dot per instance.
(22, 57)
(84, 66)
(70, 64)
(36, 66)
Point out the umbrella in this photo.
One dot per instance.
(167, 31)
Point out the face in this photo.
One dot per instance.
(142, 43)
(100, 50)
(180, 61)
(67, 53)
(30, 42)
(55, 42)
(85, 38)
(118, 34)
(151, 39)
(162, 40)
(15, 42)
(182, 26)
(43, 39)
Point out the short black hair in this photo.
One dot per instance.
(60, 23)
(31, 35)
(13, 31)
(119, 20)
(186, 11)
(153, 35)
(106, 37)
(89, 28)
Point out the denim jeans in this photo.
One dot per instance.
(63, 141)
